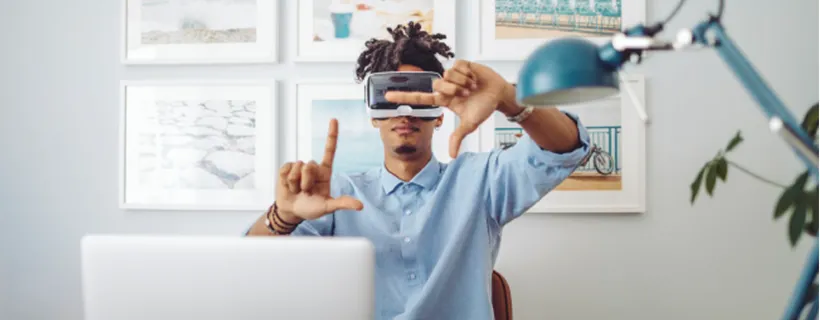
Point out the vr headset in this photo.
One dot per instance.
(378, 83)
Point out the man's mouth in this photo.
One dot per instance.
(405, 129)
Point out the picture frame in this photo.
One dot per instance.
(359, 146)
(526, 24)
(618, 183)
(342, 35)
(199, 31)
(197, 144)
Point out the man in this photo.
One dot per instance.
(436, 227)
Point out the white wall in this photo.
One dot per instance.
(720, 259)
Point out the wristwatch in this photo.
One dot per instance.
(521, 115)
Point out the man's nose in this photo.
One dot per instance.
(407, 118)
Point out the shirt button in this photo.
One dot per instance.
(407, 239)
(411, 276)
(407, 212)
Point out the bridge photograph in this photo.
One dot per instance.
(601, 168)
(530, 19)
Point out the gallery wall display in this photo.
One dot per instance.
(336, 30)
(197, 144)
(613, 176)
(213, 144)
(527, 24)
(359, 145)
(199, 31)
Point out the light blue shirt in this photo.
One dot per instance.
(437, 236)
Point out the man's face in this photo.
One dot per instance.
(407, 137)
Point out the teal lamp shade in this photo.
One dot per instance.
(566, 71)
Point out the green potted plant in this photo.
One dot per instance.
(797, 200)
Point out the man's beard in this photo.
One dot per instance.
(405, 149)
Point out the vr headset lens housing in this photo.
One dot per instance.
(379, 83)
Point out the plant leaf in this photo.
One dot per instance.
(798, 220)
(811, 197)
(811, 295)
(790, 195)
(711, 178)
(785, 202)
(734, 142)
(695, 186)
(810, 121)
(722, 168)
(800, 181)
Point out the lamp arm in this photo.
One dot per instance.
(771, 105)
(782, 122)
(636, 41)
(801, 290)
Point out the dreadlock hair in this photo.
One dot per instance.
(410, 45)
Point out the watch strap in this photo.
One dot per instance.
(521, 116)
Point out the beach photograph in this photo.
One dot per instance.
(358, 148)
(546, 19)
(601, 169)
(359, 20)
(167, 22)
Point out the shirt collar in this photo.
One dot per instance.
(426, 178)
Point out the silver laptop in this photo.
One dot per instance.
(208, 278)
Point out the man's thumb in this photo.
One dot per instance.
(455, 139)
(343, 203)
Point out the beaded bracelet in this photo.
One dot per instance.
(272, 218)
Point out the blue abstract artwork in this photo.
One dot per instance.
(359, 147)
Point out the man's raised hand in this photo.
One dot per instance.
(471, 90)
(303, 190)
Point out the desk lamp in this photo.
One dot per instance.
(571, 70)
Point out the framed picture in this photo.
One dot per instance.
(613, 176)
(359, 146)
(336, 30)
(198, 145)
(199, 31)
(527, 24)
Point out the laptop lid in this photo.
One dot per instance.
(212, 277)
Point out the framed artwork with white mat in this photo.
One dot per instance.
(613, 176)
(336, 30)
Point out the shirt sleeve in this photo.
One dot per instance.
(523, 174)
(318, 227)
